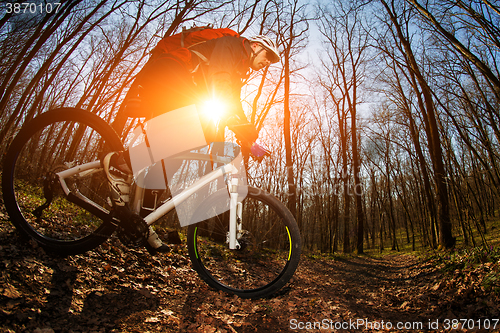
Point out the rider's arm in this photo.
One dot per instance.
(225, 72)
(227, 65)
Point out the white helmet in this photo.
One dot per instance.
(268, 45)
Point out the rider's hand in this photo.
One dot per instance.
(258, 152)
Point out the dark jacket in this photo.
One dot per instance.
(215, 68)
(226, 70)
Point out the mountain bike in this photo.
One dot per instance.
(56, 193)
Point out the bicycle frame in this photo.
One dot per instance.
(235, 207)
(57, 194)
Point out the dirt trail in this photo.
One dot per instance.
(374, 289)
(114, 289)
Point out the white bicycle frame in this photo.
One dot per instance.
(235, 206)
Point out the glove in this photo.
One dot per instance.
(258, 152)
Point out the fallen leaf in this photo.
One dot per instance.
(152, 320)
(11, 292)
(436, 286)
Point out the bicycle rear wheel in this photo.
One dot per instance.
(270, 245)
(33, 196)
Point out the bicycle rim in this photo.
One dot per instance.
(269, 252)
(55, 141)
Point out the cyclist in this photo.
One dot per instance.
(216, 69)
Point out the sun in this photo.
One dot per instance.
(214, 109)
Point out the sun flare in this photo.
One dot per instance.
(214, 109)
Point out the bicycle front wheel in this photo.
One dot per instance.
(33, 196)
(269, 242)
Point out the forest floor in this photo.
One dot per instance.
(115, 289)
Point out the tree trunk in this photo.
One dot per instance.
(445, 234)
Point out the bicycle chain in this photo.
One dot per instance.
(132, 231)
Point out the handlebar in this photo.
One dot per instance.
(247, 135)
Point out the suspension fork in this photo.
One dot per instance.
(235, 214)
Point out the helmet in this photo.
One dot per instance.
(268, 45)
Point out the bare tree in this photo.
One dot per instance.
(428, 110)
(341, 27)
(488, 27)
(292, 33)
